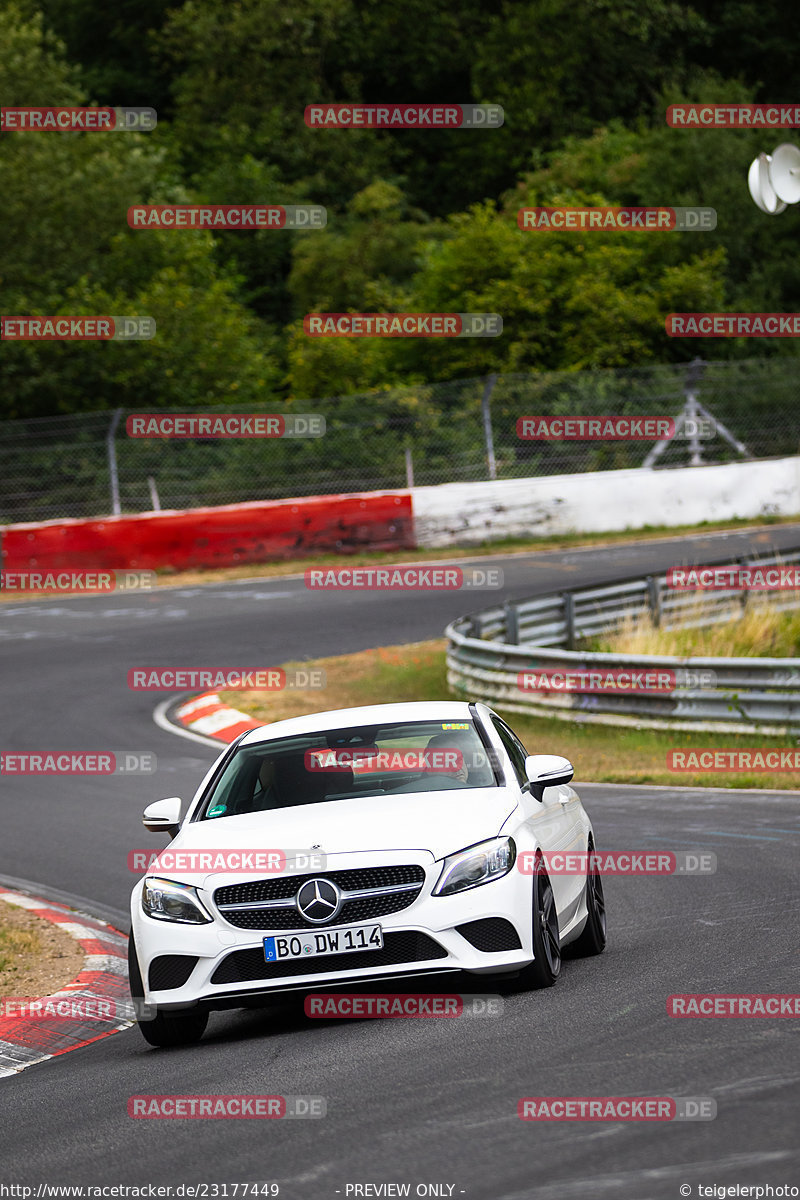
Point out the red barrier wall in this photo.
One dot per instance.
(214, 537)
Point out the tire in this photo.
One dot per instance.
(164, 1029)
(593, 939)
(546, 966)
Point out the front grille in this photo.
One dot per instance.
(361, 908)
(491, 935)
(403, 947)
(282, 887)
(170, 971)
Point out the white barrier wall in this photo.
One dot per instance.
(604, 501)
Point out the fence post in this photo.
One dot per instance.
(512, 623)
(745, 595)
(112, 462)
(654, 600)
(409, 468)
(491, 380)
(691, 410)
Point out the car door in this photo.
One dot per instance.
(553, 820)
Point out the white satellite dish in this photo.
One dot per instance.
(761, 189)
(784, 172)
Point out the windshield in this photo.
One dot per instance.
(340, 764)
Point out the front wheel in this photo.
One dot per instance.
(593, 937)
(163, 1029)
(546, 966)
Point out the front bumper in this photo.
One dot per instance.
(485, 930)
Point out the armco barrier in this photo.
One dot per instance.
(487, 652)
(214, 537)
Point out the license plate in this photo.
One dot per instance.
(304, 944)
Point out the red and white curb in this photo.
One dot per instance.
(207, 715)
(28, 1040)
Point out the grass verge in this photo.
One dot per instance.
(36, 957)
(760, 631)
(599, 753)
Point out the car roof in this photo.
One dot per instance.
(368, 714)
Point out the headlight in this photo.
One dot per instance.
(169, 901)
(479, 864)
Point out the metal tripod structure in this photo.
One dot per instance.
(691, 413)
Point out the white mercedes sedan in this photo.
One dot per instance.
(388, 842)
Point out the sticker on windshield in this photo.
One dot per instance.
(217, 810)
(461, 725)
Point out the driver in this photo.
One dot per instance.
(450, 741)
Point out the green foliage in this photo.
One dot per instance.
(115, 46)
(418, 220)
(65, 248)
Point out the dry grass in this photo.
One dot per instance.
(16, 944)
(412, 672)
(36, 957)
(760, 631)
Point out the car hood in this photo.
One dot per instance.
(437, 822)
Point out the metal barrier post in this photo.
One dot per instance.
(654, 600)
(512, 623)
(569, 618)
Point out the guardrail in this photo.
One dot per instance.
(490, 652)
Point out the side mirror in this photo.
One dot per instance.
(163, 816)
(546, 770)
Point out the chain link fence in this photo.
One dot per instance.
(55, 467)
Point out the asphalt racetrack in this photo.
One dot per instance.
(417, 1102)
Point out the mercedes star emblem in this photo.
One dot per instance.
(318, 900)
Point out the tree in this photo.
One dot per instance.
(66, 249)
